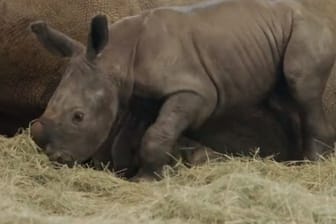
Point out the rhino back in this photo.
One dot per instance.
(225, 45)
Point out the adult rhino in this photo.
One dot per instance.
(196, 70)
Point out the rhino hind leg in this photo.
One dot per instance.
(307, 65)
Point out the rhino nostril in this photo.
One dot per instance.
(38, 133)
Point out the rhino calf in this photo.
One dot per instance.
(200, 62)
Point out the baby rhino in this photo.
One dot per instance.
(198, 62)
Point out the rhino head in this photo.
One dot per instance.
(82, 110)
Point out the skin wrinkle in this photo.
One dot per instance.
(236, 84)
(211, 76)
(271, 42)
(272, 28)
(205, 67)
(248, 65)
(273, 61)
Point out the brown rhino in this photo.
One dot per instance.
(197, 71)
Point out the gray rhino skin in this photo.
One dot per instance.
(196, 70)
(29, 75)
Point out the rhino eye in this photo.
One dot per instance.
(77, 117)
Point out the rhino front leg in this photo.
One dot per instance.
(179, 112)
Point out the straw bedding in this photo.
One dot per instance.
(237, 190)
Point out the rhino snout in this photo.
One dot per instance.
(39, 133)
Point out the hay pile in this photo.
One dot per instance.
(235, 191)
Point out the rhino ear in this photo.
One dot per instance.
(55, 41)
(98, 36)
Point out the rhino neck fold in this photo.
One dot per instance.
(103, 156)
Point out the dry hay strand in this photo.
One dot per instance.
(238, 190)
